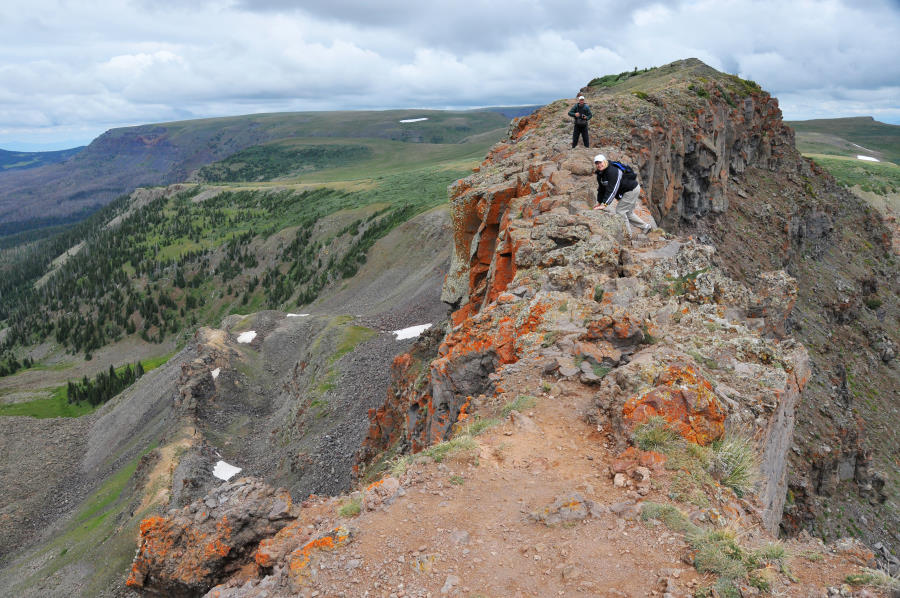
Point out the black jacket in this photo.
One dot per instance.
(585, 111)
(613, 183)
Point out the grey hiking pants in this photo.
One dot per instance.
(625, 209)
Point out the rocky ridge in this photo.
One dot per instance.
(554, 299)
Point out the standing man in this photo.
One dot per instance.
(581, 112)
(614, 182)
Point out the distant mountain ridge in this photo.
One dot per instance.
(848, 137)
(13, 160)
(123, 159)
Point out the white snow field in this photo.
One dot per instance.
(225, 471)
(411, 332)
(246, 337)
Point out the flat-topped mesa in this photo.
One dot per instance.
(539, 279)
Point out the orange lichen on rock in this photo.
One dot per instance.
(462, 410)
(685, 400)
(619, 330)
(298, 560)
(522, 125)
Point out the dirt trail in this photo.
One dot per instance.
(462, 527)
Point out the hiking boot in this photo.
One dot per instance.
(598, 207)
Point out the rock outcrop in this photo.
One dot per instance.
(652, 322)
(548, 292)
(189, 550)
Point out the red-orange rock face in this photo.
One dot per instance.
(685, 400)
(191, 550)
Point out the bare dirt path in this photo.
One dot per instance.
(462, 527)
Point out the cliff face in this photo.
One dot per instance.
(539, 277)
(694, 327)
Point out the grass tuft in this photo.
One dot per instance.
(478, 425)
(350, 508)
(874, 578)
(520, 404)
(670, 515)
(442, 450)
(719, 553)
(736, 464)
(655, 435)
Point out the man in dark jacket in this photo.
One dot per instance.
(581, 112)
(614, 183)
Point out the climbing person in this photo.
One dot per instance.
(581, 112)
(618, 181)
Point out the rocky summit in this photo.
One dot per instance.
(605, 412)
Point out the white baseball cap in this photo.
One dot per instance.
(599, 158)
(580, 97)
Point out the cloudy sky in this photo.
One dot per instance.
(70, 69)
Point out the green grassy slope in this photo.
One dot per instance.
(12, 160)
(844, 136)
(882, 178)
(122, 159)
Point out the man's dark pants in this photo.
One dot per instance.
(583, 131)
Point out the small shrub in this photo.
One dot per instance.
(811, 555)
(873, 302)
(641, 95)
(598, 293)
(726, 97)
(774, 552)
(550, 338)
(457, 480)
(350, 508)
(686, 488)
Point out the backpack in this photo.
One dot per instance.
(625, 168)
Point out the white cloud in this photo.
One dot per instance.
(86, 66)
